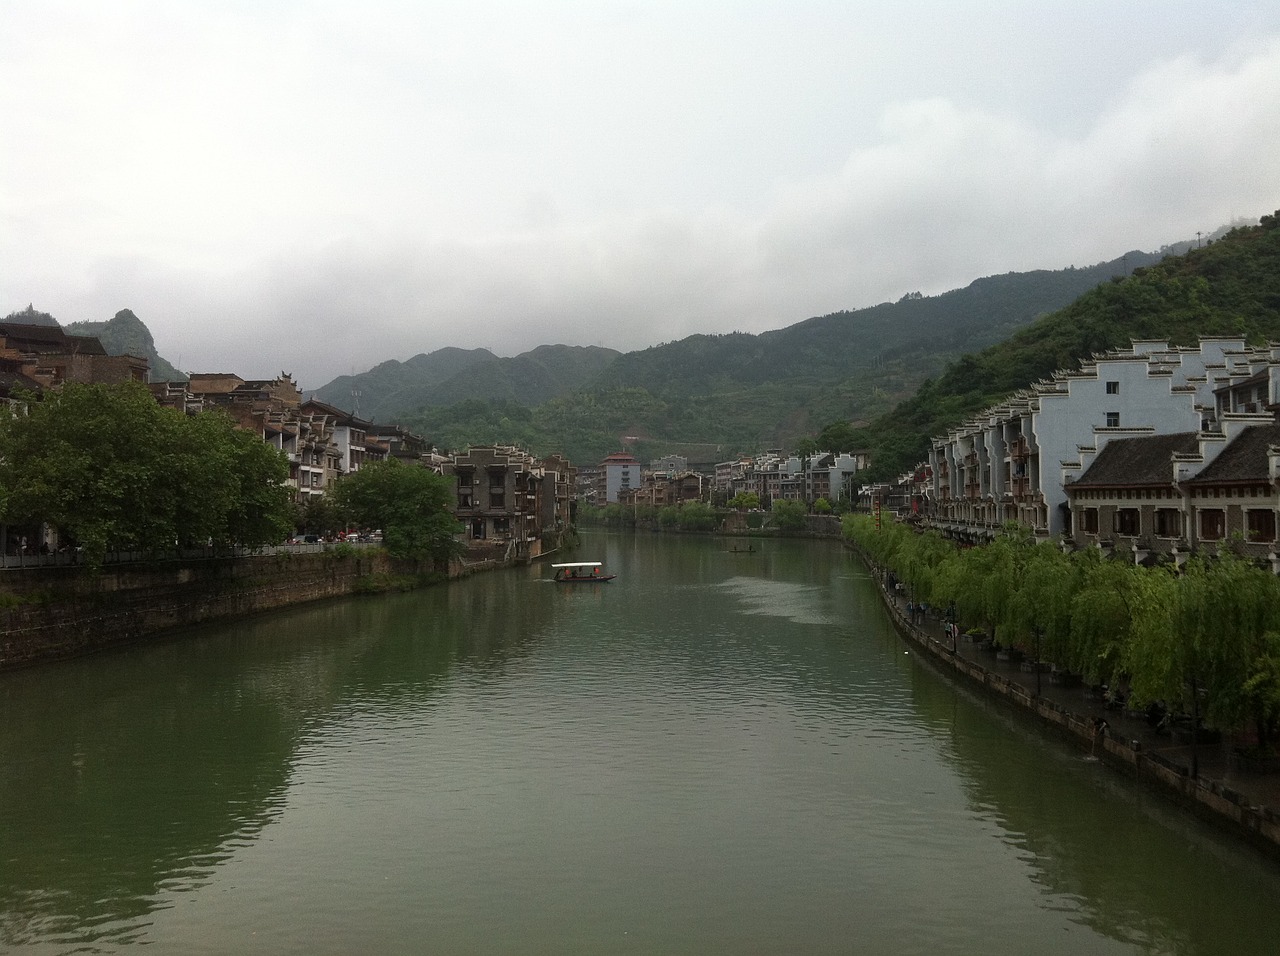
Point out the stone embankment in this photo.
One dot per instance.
(1244, 803)
(58, 612)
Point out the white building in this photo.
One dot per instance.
(621, 474)
(1011, 462)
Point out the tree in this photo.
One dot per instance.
(412, 506)
(697, 516)
(822, 507)
(111, 469)
(789, 515)
(744, 501)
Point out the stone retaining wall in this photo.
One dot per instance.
(65, 612)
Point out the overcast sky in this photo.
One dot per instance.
(318, 187)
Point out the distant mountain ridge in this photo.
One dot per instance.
(764, 388)
(393, 389)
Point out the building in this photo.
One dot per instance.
(1012, 462)
(1169, 495)
(48, 356)
(621, 473)
(512, 506)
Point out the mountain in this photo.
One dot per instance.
(393, 390)
(29, 316)
(126, 334)
(1229, 287)
(712, 396)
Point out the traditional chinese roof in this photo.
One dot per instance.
(1244, 459)
(1144, 460)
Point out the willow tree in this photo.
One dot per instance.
(1230, 612)
(1040, 605)
(1113, 598)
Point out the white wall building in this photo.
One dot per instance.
(1011, 462)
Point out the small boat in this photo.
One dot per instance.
(581, 572)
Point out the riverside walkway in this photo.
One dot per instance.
(1244, 802)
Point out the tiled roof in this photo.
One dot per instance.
(1245, 459)
(1146, 460)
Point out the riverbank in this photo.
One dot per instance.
(48, 613)
(1243, 803)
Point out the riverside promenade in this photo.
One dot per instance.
(1241, 802)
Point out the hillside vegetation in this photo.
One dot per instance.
(712, 396)
(1228, 287)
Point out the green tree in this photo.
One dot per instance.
(789, 515)
(411, 505)
(111, 469)
(744, 501)
(822, 507)
(697, 516)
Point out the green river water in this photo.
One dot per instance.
(715, 753)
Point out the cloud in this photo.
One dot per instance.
(322, 193)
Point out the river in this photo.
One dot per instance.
(715, 753)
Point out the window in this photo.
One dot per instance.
(1261, 523)
(496, 498)
(1128, 521)
(1113, 388)
(1168, 523)
(464, 499)
(1113, 419)
(1089, 520)
(1213, 524)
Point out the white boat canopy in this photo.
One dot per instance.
(579, 564)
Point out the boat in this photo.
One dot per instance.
(581, 572)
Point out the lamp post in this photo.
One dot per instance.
(951, 625)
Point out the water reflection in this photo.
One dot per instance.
(133, 775)
(1126, 863)
(716, 754)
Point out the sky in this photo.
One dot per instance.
(317, 187)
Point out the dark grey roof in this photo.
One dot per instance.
(1245, 459)
(1146, 460)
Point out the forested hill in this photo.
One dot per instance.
(859, 343)
(393, 390)
(1228, 287)
(712, 396)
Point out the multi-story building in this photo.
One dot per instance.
(1012, 462)
(509, 502)
(350, 434)
(621, 473)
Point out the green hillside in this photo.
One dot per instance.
(1229, 287)
(712, 396)
(386, 389)
(393, 390)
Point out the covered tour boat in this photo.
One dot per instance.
(581, 572)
